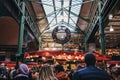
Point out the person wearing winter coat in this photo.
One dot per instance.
(23, 73)
(91, 72)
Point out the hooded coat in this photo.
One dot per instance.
(23, 73)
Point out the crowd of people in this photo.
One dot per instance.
(57, 72)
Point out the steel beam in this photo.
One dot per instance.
(90, 12)
(69, 11)
(76, 25)
(48, 15)
(38, 2)
(21, 33)
(28, 18)
(87, 20)
(93, 26)
(107, 11)
(55, 10)
(21, 30)
(48, 24)
(101, 29)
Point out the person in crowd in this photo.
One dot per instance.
(71, 73)
(46, 73)
(113, 71)
(35, 73)
(118, 74)
(91, 72)
(79, 67)
(108, 71)
(100, 64)
(3, 72)
(23, 73)
(15, 71)
(60, 73)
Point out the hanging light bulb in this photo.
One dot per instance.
(111, 29)
(110, 16)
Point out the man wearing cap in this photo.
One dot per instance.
(91, 72)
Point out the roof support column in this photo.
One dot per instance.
(21, 33)
(101, 29)
(85, 46)
(40, 43)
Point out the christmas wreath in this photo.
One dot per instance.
(64, 32)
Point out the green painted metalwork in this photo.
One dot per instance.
(34, 14)
(85, 46)
(76, 25)
(18, 2)
(69, 11)
(113, 6)
(90, 12)
(73, 27)
(94, 21)
(49, 24)
(48, 15)
(55, 9)
(89, 16)
(101, 30)
(43, 3)
(62, 6)
(75, 32)
(28, 18)
(21, 30)
(40, 43)
(69, 25)
(87, 20)
(86, 1)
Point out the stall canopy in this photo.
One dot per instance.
(65, 55)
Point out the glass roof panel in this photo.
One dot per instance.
(62, 11)
(66, 4)
(57, 4)
(48, 9)
(76, 6)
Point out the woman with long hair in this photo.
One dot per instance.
(46, 73)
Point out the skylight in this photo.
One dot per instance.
(62, 11)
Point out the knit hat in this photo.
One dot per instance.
(24, 69)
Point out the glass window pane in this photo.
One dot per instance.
(49, 10)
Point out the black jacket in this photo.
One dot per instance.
(91, 73)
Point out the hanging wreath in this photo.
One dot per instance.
(61, 35)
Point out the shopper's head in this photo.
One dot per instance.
(90, 59)
(112, 65)
(23, 68)
(46, 72)
(113, 68)
(59, 68)
(2, 65)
